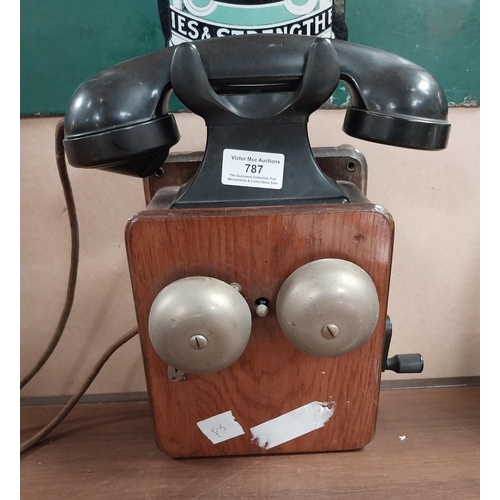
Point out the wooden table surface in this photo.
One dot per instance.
(426, 447)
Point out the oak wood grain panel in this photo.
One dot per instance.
(259, 248)
(107, 452)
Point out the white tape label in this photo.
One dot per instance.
(292, 425)
(252, 169)
(220, 427)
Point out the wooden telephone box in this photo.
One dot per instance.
(260, 269)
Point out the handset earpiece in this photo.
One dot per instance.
(114, 121)
(393, 101)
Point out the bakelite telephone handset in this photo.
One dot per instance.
(260, 282)
(117, 120)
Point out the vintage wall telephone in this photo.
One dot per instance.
(260, 282)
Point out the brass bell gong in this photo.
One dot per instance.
(328, 307)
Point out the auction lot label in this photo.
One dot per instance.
(253, 169)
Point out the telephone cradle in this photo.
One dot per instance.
(260, 270)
